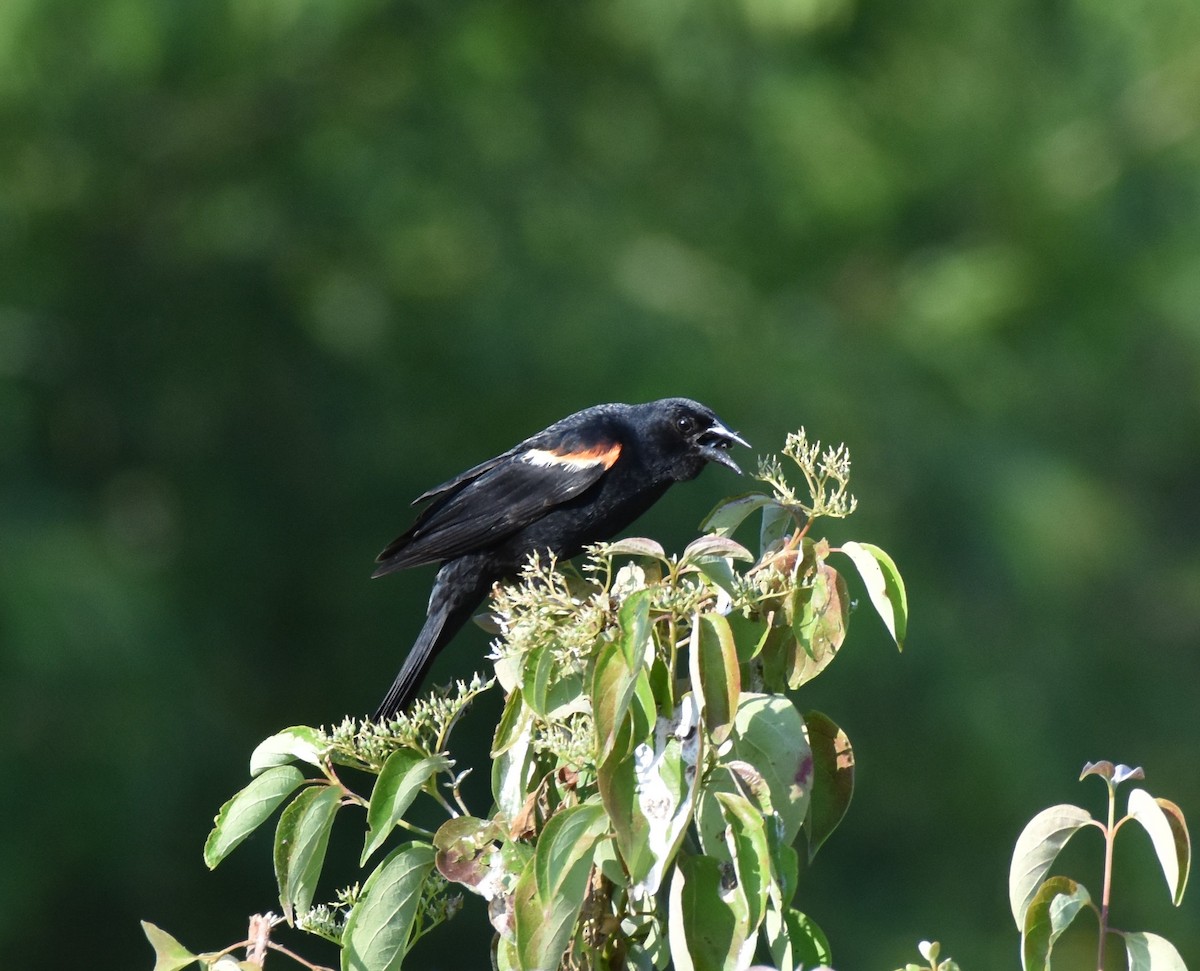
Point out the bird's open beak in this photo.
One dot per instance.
(715, 443)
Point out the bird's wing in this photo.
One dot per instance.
(495, 499)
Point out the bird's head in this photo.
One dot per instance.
(688, 435)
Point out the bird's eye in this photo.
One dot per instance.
(684, 423)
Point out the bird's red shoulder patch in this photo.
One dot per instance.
(603, 454)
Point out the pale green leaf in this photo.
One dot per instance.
(1164, 822)
(715, 546)
(884, 586)
(1149, 952)
(635, 546)
(296, 743)
(1037, 848)
(169, 954)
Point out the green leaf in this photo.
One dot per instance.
(636, 546)
(715, 546)
(731, 513)
(708, 924)
(169, 954)
(769, 733)
(777, 522)
(747, 839)
(300, 843)
(513, 769)
(1149, 952)
(613, 687)
(513, 723)
(549, 894)
(299, 742)
(785, 869)
(564, 850)
(614, 680)
(616, 779)
(820, 614)
(465, 846)
(833, 779)
(769, 737)
(1050, 912)
(1037, 847)
(666, 792)
(1164, 822)
(401, 779)
(795, 942)
(249, 809)
(884, 586)
(379, 929)
(716, 677)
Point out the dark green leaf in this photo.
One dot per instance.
(249, 809)
(614, 679)
(300, 843)
(169, 954)
(715, 674)
(551, 892)
(747, 839)
(833, 779)
(1048, 915)
(617, 780)
(731, 513)
(707, 923)
(795, 942)
(401, 779)
(379, 928)
(777, 522)
(720, 574)
(512, 723)
(785, 869)
(1037, 848)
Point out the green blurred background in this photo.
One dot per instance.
(270, 268)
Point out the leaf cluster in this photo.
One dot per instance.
(649, 777)
(1044, 906)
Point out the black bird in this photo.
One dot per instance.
(581, 481)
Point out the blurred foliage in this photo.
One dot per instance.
(269, 269)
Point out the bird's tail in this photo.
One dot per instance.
(450, 605)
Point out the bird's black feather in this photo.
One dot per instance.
(580, 481)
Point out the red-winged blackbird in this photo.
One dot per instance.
(581, 481)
